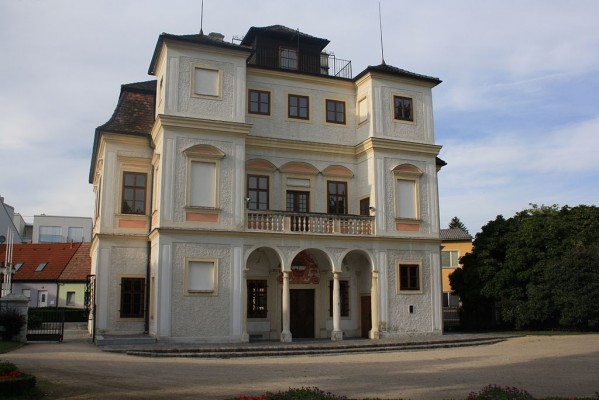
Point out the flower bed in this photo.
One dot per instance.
(13, 381)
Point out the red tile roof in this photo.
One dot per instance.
(57, 255)
(80, 265)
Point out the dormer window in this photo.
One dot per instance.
(288, 58)
(41, 267)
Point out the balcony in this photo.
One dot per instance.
(312, 223)
(319, 64)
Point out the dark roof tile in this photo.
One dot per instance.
(391, 70)
(56, 255)
(455, 234)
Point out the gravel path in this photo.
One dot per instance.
(543, 365)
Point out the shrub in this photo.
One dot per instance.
(12, 321)
(494, 392)
(312, 393)
(13, 381)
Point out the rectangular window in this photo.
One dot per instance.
(335, 111)
(337, 197)
(41, 267)
(298, 107)
(132, 297)
(406, 199)
(257, 192)
(26, 293)
(206, 82)
(75, 234)
(403, 108)
(259, 102)
(70, 298)
(343, 298)
(50, 234)
(288, 58)
(201, 277)
(450, 300)
(257, 298)
(202, 183)
(409, 277)
(449, 259)
(134, 193)
(298, 201)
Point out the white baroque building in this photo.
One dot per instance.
(260, 191)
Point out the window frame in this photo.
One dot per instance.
(451, 259)
(410, 173)
(257, 289)
(344, 298)
(336, 112)
(219, 71)
(71, 301)
(294, 61)
(134, 187)
(345, 197)
(258, 191)
(259, 102)
(298, 98)
(402, 117)
(130, 294)
(409, 288)
(186, 279)
(203, 154)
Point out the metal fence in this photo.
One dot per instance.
(45, 325)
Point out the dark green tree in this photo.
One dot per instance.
(535, 270)
(456, 223)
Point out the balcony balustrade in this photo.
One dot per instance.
(313, 223)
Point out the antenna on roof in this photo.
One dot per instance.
(381, 30)
(202, 19)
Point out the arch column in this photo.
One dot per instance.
(374, 305)
(245, 337)
(286, 334)
(336, 334)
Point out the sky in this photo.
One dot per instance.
(517, 113)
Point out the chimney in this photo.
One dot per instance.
(216, 36)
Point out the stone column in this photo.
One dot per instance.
(245, 337)
(337, 334)
(286, 334)
(374, 305)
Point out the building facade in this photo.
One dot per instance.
(61, 229)
(455, 243)
(260, 191)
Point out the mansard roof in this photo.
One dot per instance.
(391, 70)
(282, 32)
(133, 115)
(454, 234)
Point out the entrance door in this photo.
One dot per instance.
(301, 313)
(365, 316)
(42, 298)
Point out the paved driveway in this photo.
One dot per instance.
(545, 366)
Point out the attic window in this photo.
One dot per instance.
(41, 267)
(17, 266)
(288, 58)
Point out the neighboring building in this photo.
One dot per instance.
(50, 274)
(59, 229)
(455, 243)
(260, 191)
(7, 222)
(24, 228)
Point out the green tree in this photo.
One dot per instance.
(534, 270)
(456, 223)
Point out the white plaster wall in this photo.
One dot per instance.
(64, 222)
(316, 129)
(178, 95)
(201, 316)
(400, 321)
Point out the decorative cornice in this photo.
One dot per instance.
(178, 122)
(292, 75)
(374, 143)
(294, 145)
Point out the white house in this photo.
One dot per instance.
(261, 191)
(61, 229)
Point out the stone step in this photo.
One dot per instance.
(308, 349)
(124, 340)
